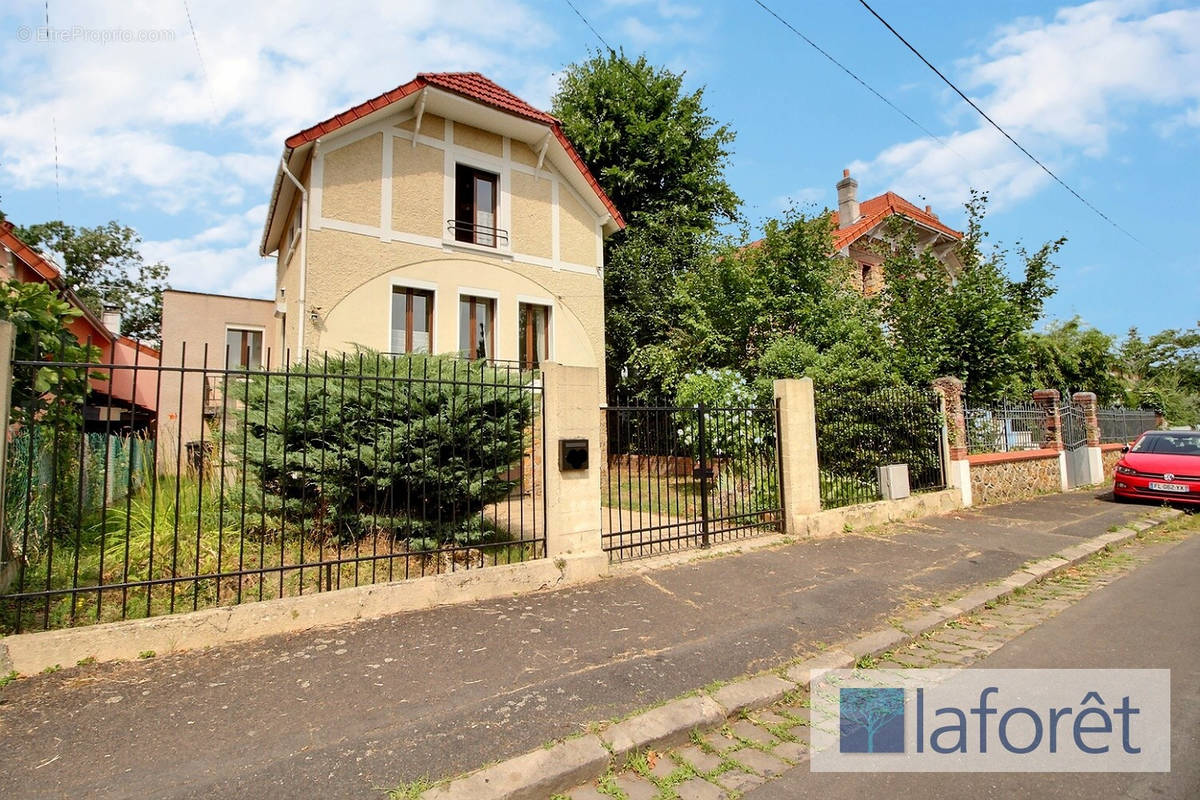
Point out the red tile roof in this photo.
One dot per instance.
(473, 86)
(32, 258)
(876, 210)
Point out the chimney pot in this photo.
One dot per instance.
(928, 209)
(845, 173)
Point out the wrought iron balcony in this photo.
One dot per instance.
(484, 235)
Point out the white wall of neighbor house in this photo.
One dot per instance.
(379, 207)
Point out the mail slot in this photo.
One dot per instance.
(572, 454)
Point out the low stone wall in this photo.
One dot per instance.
(1110, 454)
(1004, 477)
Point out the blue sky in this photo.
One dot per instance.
(179, 136)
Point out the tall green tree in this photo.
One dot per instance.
(104, 266)
(1163, 372)
(1074, 357)
(661, 158)
(973, 326)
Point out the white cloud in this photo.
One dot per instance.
(1062, 88)
(153, 124)
(805, 196)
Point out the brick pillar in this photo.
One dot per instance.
(954, 436)
(1047, 401)
(1094, 470)
(798, 452)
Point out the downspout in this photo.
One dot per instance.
(303, 252)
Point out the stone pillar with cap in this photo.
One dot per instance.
(1047, 401)
(954, 436)
(1094, 468)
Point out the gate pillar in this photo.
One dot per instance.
(798, 451)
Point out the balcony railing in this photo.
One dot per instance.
(485, 235)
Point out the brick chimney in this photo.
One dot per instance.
(847, 189)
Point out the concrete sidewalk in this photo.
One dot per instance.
(345, 711)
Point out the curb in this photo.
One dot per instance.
(564, 765)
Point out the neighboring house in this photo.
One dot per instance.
(118, 402)
(860, 227)
(444, 216)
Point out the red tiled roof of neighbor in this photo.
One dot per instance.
(875, 211)
(879, 208)
(473, 86)
(32, 257)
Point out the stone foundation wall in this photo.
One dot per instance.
(1110, 454)
(1004, 477)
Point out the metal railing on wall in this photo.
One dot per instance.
(255, 484)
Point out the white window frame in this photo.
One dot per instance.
(424, 286)
(262, 350)
(486, 294)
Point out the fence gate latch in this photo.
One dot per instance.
(702, 473)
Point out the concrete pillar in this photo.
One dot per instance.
(954, 436)
(8, 562)
(572, 496)
(1093, 472)
(798, 451)
(1047, 401)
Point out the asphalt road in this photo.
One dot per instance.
(1149, 618)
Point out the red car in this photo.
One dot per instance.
(1161, 465)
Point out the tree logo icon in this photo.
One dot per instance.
(872, 720)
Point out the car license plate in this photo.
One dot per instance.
(1168, 487)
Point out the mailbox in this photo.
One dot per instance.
(572, 455)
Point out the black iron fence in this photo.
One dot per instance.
(688, 476)
(1004, 428)
(239, 485)
(1123, 425)
(861, 429)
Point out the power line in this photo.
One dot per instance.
(994, 124)
(607, 46)
(851, 73)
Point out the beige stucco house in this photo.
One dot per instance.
(444, 216)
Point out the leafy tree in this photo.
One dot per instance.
(104, 266)
(40, 319)
(1073, 357)
(1163, 372)
(973, 326)
(661, 158)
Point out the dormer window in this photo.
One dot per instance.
(475, 201)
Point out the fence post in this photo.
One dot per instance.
(954, 436)
(1047, 401)
(571, 409)
(8, 562)
(797, 444)
(1091, 425)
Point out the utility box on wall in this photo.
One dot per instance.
(572, 455)
(893, 481)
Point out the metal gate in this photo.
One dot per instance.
(688, 476)
(1073, 420)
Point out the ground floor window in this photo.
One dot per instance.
(412, 320)
(475, 327)
(243, 348)
(534, 335)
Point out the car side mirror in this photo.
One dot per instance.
(1125, 449)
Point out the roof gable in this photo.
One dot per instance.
(878, 209)
(469, 85)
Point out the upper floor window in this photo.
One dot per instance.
(243, 348)
(412, 320)
(475, 201)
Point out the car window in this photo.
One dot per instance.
(1169, 444)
